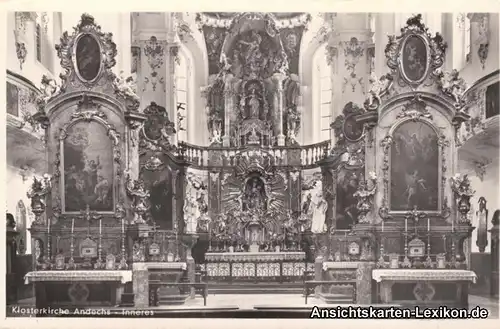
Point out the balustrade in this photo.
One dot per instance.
(201, 156)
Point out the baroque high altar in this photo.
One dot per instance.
(125, 209)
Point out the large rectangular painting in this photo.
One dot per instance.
(346, 211)
(414, 168)
(12, 99)
(88, 168)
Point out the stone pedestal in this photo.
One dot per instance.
(188, 241)
(364, 283)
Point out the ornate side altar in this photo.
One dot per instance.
(94, 224)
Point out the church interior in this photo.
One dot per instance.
(160, 159)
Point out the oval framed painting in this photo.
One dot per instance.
(353, 131)
(414, 59)
(87, 57)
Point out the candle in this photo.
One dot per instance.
(428, 224)
(72, 226)
(382, 225)
(100, 226)
(406, 225)
(123, 226)
(48, 225)
(452, 225)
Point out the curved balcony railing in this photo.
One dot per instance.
(206, 157)
(483, 106)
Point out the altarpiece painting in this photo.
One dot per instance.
(414, 167)
(88, 168)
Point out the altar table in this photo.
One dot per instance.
(424, 286)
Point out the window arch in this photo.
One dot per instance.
(182, 95)
(21, 227)
(322, 84)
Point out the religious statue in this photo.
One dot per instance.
(126, 87)
(49, 88)
(319, 207)
(253, 46)
(364, 195)
(378, 87)
(254, 106)
(482, 225)
(39, 189)
(136, 190)
(255, 195)
(452, 85)
(191, 214)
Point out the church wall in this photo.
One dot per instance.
(16, 189)
(32, 69)
(474, 70)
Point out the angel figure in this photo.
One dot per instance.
(136, 190)
(126, 86)
(378, 87)
(216, 137)
(452, 85)
(320, 206)
(49, 88)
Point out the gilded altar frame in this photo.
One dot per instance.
(89, 115)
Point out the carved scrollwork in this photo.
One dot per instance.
(415, 109)
(157, 131)
(364, 195)
(415, 53)
(137, 191)
(453, 86)
(69, 53)
(378, 89)
(88, 110)
(349, 134)
(39, 190)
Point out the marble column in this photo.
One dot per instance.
(353, 37)
(447, 24)
(228, 108)
(278, 107)
(384, 26)
(171, 86)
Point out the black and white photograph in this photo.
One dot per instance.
(253, 164)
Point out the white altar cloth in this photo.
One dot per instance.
(380, 275)
(73, 276)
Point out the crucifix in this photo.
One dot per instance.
(89, 216)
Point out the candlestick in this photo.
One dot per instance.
(428, 224)
(72, 226)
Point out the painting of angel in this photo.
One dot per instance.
(88, 168)
(414, 168)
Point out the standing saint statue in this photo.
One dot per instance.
(254, 106)
(319, 207)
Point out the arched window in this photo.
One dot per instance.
(21, 227)
(461, 41)
(323, 100)
(181, 95)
